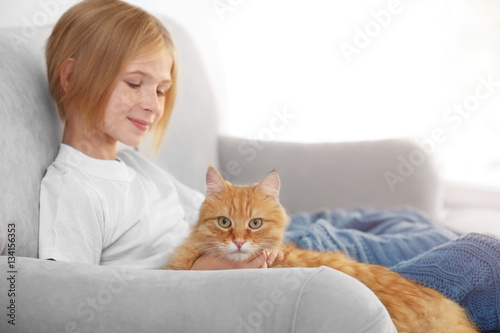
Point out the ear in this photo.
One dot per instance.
(65, 73)
(215, 182)
(270, 185)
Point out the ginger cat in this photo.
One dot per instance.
(237, 222)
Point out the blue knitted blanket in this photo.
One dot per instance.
(466, 268)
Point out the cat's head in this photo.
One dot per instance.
(236, 222)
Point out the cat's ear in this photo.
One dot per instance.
(270, 185)
(215, 182)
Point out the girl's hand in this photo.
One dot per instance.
(263, 260)
(274, 256)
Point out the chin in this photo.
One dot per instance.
(132, 142)
(239, 256)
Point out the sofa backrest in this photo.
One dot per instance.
(30, 130)
(29, 135)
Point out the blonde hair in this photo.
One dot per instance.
(103, 36)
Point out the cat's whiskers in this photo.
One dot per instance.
(210, 246)
(271, 244)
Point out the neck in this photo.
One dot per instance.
(95, 144)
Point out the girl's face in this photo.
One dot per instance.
(137, 103)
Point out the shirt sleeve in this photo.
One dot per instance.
(71, 221)
(190, 199)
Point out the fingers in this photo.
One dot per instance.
(272, 257)
(259, 262)
(264, 260)
(206, 262)
(281, 257)
(266, 254)
(275, 256)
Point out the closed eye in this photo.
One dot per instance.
(133, 85)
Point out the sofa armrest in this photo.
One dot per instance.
(379, 174)
(53, 296)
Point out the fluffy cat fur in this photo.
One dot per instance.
(238, 222)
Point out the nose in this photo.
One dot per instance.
(239, 243)
(151, 102)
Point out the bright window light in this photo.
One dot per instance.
(335, 71)
(367, 70)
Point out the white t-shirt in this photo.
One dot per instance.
(127, 212)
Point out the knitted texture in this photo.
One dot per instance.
(375, 237)
(466, 269)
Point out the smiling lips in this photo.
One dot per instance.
(140, 124)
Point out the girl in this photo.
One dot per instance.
(112, 72)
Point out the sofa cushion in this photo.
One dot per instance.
(30, 134)
(67, 297)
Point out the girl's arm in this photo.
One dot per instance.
(71, 217)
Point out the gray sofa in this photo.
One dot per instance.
(47, 296)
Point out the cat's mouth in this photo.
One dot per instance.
(242, 254)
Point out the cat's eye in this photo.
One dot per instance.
(224, 222)
(255, 223)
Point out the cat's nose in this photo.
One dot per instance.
(239, 243)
